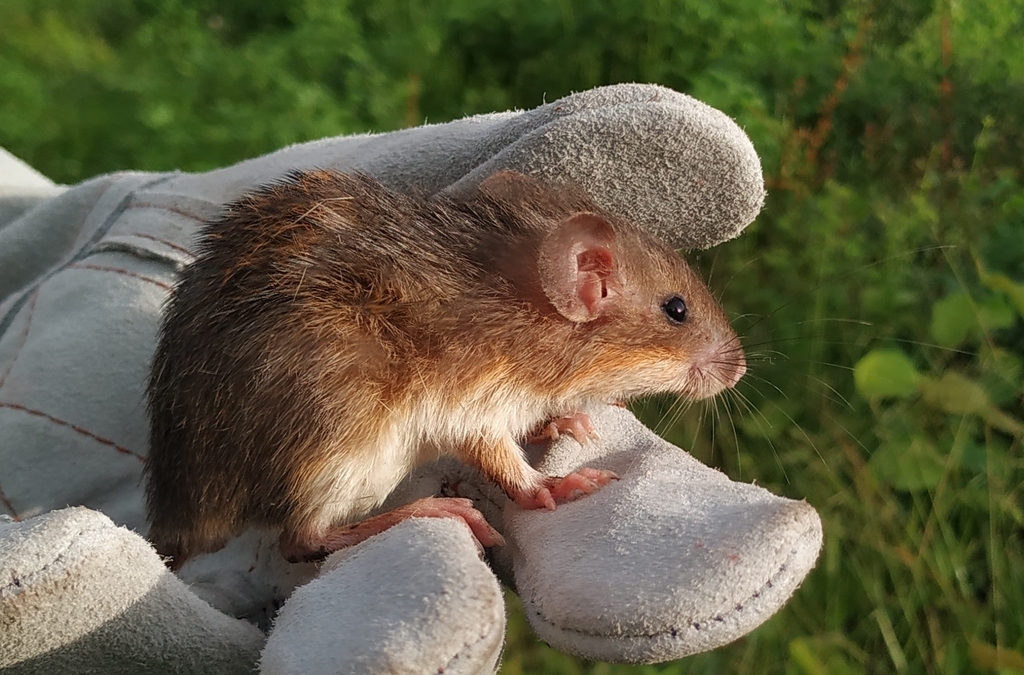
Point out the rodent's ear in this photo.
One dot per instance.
(578, 267)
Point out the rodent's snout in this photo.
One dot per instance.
(736, 367)
(715, 368)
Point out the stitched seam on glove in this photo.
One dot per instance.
(81, 254)
(675, 631)
(73, 427)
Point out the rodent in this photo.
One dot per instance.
(332, 334)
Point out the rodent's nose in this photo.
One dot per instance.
(717, 367)
(738, 371)
(730, 360)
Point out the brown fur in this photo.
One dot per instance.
(324, 312)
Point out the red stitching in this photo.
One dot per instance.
(118, 270)
(24, 337)
(9, 506)
(166, 243)
(73, 427)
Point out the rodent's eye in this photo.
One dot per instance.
(675, 309)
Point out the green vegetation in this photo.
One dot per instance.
(880, 294)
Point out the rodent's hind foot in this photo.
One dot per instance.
(576, 424)
(311, 549)
(561, 489)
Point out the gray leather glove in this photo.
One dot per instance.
(672, 559)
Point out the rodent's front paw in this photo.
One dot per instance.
(576, 424)
(559, 490)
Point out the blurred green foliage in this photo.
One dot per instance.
(880, 294)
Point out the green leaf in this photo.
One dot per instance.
(907, 464)
(1004, 284)
(996, 313)
(885, 373)
(955, 394)
(953, 320)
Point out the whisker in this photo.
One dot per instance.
(769, 383)
(734, 274)
(834, 279)
(710, 402)
(735, 434)
(848, 433)
(754, 414)
(801, 429)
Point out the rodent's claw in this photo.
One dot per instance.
(459, 509)
(599, 476)
(580, 483)
(546, 498)
(576, 424)
(559, 490)
(541, 499)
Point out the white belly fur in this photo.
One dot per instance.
(360, 479)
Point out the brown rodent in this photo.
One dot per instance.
(333, 334)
